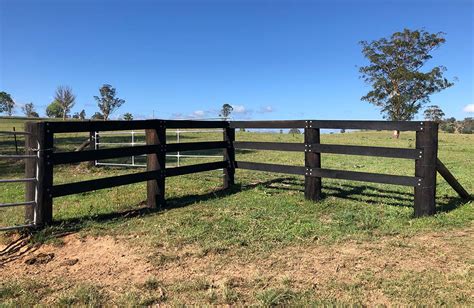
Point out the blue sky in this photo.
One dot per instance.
(269, 59)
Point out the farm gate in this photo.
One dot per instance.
(40, 136)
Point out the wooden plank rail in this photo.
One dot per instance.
(90, 126)
(108, 182)
(365, 150)
(195, 168)
(332, 124)
(271, 167)
(331, 148)
(272, 146)
(76, 157)
(365, 177)
(195, 146)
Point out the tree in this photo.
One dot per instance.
(107, 101)
(97, 116)
(65, 98)
(434, 113)
(294, 131)
(448, 125)
(226, 111)
(54, 110)
(128, 116)
(29, 110)
(400, 88)
(82, 114)
(6, 103)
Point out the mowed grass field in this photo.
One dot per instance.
(260, 243)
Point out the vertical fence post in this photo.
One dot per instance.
(92, 146)
(31, 144)
(156, 161)
(425, 168)
(44, 199)
(312, 187)
(229, 156)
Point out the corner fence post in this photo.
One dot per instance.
(44, 197)
(154, 162)
(229, 156)
(312, 184)
(31, 144)
(425, 168)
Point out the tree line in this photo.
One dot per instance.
(64, 101)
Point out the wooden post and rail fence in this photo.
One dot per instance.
(40, 144)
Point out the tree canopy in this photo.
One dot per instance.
(97, 116)
(399, 86)
(29, 110)
(54, 110)
(107, 101)
(6, 103)
(434, 113)
(226, 111)
(128, 116)
(66, 100)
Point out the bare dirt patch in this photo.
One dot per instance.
(104, 261)
(345, 271)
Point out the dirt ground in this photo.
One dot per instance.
(327, 270)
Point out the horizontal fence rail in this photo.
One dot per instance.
(91, 126)
(365, 177)
(108, 182)
(331, 148)
(156, 147)
(271, 146)
(271, 167)
(76, 157)
(17, 156)
(332, 124)
(17, 204)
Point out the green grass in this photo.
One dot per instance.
(262, 214)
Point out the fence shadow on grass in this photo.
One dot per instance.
(364, 194)
(372, 194)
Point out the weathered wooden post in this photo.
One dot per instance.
(31, 144)
(44, 197)
(154, 162)
(312, 187)
(425, 168)
(229, 156)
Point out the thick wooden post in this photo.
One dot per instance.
(425, 168)
(31, 144)
(229, 156)
(312, 190)
(44, 198)
(156, 161)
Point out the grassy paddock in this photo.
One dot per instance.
(264, 214)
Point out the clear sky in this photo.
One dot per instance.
(269, 59)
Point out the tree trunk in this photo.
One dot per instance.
(396, 134)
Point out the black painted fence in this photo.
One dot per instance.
(41, 141)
